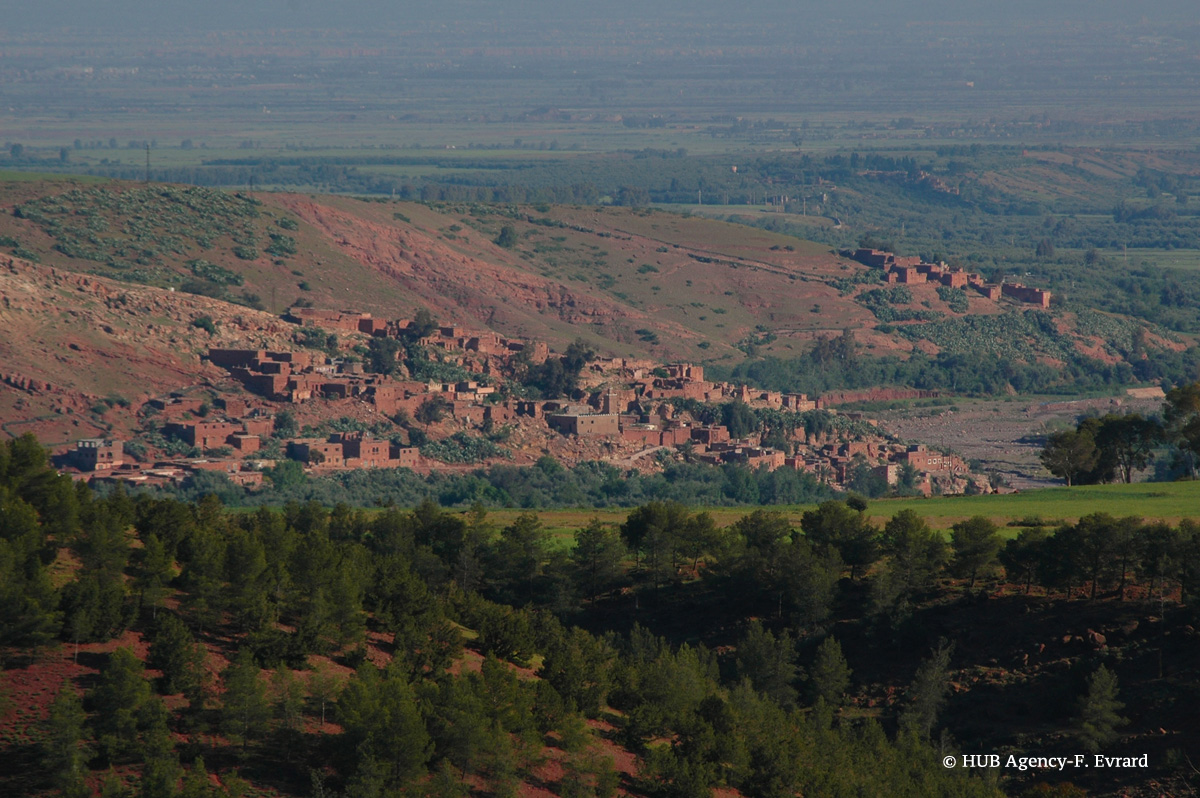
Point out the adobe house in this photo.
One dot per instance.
(262, 427)
(686, 371)
(406, 456)
(245, 444)
(878, 258)
(1035, 296)
(98, 454)
(233, 358)
(709, 436)
(204, 434)
(317, 452)
(954, 279)
(580, 424)
(909, 275)
(367, 452)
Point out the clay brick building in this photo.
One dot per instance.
(956, 279)
(245, 444)
(909, 275)
(581, 424)
(709, 436)
(1034, 296)
(204, 434)
(316, 451)
(98, 454)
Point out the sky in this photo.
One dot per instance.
(166, 16)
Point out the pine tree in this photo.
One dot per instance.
(201, 578)
(830, 675)
(244, 710)
(29, 618)
(287, 705)
(917, 552)
(323, 690)
(247, 596)
(1022, 556)
(196, 782)
(1099, 711)
(383, 727)
(346, 588)
(927, 693)
(154, 571)
(597, 557)
(113, 787)
(836, 524)
(95, 606)
(174, 652)
(63, 755)
(768, 662)
(161, 772)
(119, 698)
(976, 543)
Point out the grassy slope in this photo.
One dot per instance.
(631, 282)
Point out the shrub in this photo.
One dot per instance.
(205, 323)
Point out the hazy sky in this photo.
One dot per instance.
(168, 15)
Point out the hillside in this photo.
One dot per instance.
(74, 347)
(629, 281)
(473, 653)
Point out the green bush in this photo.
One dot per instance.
(205, 323)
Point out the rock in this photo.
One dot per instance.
(1096, 639)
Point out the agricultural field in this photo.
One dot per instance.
(1151, 501)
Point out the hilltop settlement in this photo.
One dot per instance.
(362, 392)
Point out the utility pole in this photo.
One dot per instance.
(147, 162)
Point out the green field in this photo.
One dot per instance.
(1165, 501)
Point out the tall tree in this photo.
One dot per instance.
(917, 552)
(1023, 555)
(1181, 414)
(30, 617)
(287, 706)
(383, 726)
(829, 677)
(161, 771)
(63, 754)
(119, 699)
(927, 693)
(244, 706)
(1069, 455)
(521, 555)
(1158, 554)
(154, 571)
(849, 531)
(1099, 711)
(769, 662)
(1096, 538)
(324, 687)
(975, 543)
(173, 651)
(597, 557)
(1127, 442)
